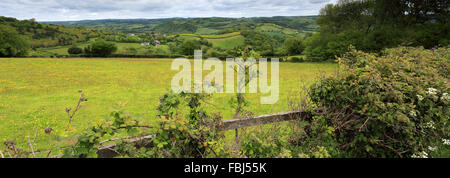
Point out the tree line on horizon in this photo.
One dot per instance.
(369, 25)
(373, 25)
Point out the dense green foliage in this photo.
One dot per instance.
(195, 134)
(87, 143)
(294, 46)
(175, 136)
(46, 35)
(174, 27)
(372, 25)
(12, 44)
(395, 105)
(101, 48)
(188, 47)
(75, 50)
(265, 44)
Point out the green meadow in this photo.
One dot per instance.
(224, 41)
(35, 92)
(121, 49)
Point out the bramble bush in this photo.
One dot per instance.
(289, 140)
(393, 105)
(119, 123)
(183, 130)
(265, 142)
(194, 135)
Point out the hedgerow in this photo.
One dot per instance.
(393, 105)
(194, 135)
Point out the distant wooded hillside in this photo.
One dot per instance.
(47, 35)
(201, 25)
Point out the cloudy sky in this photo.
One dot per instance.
(64, 10)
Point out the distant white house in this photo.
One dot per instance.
(145, 44)
(157, 42)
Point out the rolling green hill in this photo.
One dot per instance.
(48, 35)
(221, 33)
(173, 27)
(289, 26)
(224, 41)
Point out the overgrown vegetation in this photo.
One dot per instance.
(12, 43)
(394, 105)
(373, 25)
(100, 48)
(46, 35)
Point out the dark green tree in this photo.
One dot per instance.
(189, 46)
(12, 44)
(75, 50)
(101, 48)
(263, 43)
(294, 45)
(372, 25)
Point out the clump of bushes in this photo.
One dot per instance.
(297, 59)
(100, 48)
(75, 50)
(265, 142)
(194, 135)
(12, 43)
(394, 105)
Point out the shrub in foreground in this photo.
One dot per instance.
(395, 105)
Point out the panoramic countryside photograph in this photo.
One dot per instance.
(238, 79)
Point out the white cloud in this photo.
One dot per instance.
(60, 10)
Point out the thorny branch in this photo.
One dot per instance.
(72, 114)
(31, 146)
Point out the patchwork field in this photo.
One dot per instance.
(121, 49)
(225, 41)
(35, 92)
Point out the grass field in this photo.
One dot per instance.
(276, 29)
(225, 41)
(205, 31)
(228, 43)
(121, 48)
(35, 92)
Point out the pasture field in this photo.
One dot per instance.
(121, 48)
(225, 41)
(276, 29)
(205, 31)
(58, 50)
(227, 35)
(228, 43)
(34, 93)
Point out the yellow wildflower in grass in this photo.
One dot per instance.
(45, 87)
